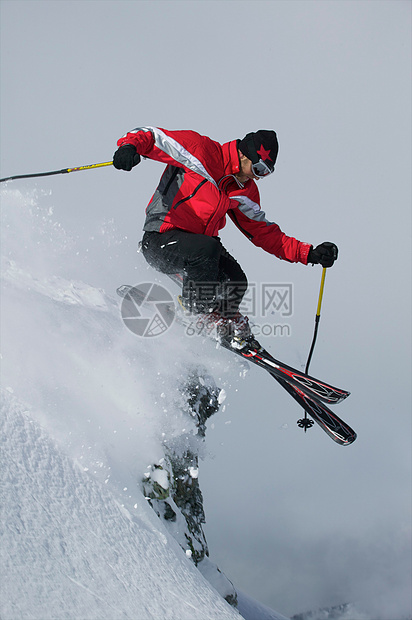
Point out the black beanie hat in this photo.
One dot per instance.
(262, 144)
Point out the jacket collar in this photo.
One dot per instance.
(230, 157)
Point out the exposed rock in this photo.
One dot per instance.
(172, 485)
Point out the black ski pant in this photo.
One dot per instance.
(212, 279)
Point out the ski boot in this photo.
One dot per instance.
(233, 332)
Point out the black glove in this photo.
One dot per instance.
(126, 157)
(326, 253)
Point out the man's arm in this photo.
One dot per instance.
(251, 220)
(183, 148)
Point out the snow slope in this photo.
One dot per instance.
(86, 409)
(71, 550)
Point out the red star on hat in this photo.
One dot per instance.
(263, 153)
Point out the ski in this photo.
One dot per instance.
(307, 391)
(252, 352)
(320, 390)
(309, 385)
(329, 422)
(336, 428)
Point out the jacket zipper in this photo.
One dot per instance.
(191, 195)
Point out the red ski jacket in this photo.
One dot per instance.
(198, 189)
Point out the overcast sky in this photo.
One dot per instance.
(333, 79)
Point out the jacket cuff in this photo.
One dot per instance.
(126, 141)
(304, 252)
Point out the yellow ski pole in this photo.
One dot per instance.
(306, 422)
(65, 170)
(317, 319)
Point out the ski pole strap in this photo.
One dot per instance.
(48, 174)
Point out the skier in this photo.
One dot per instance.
(204, 181)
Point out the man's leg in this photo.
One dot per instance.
(212, 278)
(233, 284)
(196, 257)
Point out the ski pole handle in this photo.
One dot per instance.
(106, 163)
(322, 286)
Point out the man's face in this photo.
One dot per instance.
(245, 173)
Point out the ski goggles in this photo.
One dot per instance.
(260, 169)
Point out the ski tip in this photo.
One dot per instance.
(343, 397)
(349, 440)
